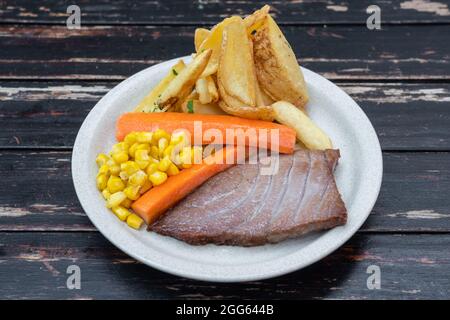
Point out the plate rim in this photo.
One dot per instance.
(237, 277)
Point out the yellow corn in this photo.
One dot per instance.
(154, 152)
(143, 146)
(115, 199)
(115, 184)
(172, 170)
(132, 192)
(158, 178)
(115, 169)
(132, 149)
(121, 212)
(164, 164)
(158, 134)
(179, 138)
(129, 167)
(126, 203)
(104, 169)
(142, 158)
(162, 145)
(134, 221)
(144, 137)
(145, 187)
(102, 181)
(168, 151)
(120, 157)
(137, 179)
(120, 147)
(130, 138)
(186, 158)
(152, 167)
(106, 194)
(101, 159)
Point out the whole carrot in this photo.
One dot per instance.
(252, 131)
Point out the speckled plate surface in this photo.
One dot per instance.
(358, 177)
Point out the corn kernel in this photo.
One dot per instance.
(172, 170)
(129, 167)
(154, 152)
(114, 170)
(104, 169)
(144, 137)
(126, 203)
(116, 199)
(120, 147)
(132, 149)
(115, 184)
(141, 154)
(162, 145)
(134, 221)
(106, 194)
(123, 175)
(132, 192)
(168, 151)
(152, 167)
(102, 181)
(158, 134)
(130, 138)
(120, 157)
(101, 159)
(121, 212)
(146, 186)
(186, 158)
(180, 138)
(137, 179)
(158, 178)
(164, 164)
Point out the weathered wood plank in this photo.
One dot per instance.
(49, 114)
(41, 259)
(37, 193)
(337, 52)
(207, 12)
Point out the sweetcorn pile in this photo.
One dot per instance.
(138, 163)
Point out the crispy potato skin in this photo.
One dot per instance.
(277, 68)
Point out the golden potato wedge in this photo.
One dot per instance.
(277, 68)
(236, 70)
(214, 42)
(195, 106)
(201, 86)
(256, 19)
(307, 131)
(212, 89)
(181, 86)
(200, 35)
(149, 103)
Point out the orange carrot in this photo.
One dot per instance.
(224, 124)
(152, 204)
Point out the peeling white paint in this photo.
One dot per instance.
(441, 9)
(337, 8)
(13, 212)
(419, 214)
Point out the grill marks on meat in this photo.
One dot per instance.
(242, 207)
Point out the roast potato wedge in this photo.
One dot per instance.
(306, 130)
(149, 103)
(200, 35)
(182, 85)
(277, 68)
(195, 106)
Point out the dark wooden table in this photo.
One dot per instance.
(50, 77)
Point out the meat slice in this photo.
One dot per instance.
(242, 207)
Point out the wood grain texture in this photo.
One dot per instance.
(49, 114)
(114, 53)
(412, 267)
(208, 12)
(37, 193)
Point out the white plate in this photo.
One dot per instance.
(358, 177)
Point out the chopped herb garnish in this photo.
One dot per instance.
(253, 32)
(190, 106)
(175, 72)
